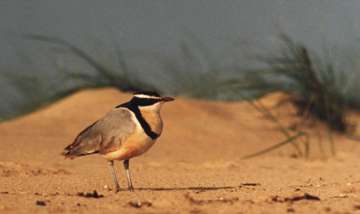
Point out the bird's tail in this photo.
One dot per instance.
(70, 152)
(84, 144)
(76, 150)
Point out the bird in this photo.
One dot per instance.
(128, 130)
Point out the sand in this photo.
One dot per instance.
(195, 167)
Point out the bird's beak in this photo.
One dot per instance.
(167, 99)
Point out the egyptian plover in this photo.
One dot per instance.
(127, 131)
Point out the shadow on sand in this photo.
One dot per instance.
(199, 188)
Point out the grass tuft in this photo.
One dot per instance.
(316, 86)
(104, 75)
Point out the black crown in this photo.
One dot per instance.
(150, 93)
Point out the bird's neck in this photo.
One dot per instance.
(153, 118)
(148, 117)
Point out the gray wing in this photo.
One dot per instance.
(104, 135)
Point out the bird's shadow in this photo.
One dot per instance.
(198, 188)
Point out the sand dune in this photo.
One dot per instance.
(195, 167)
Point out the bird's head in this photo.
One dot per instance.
(151, 101)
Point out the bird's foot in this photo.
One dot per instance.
(131, 188)
(117, 189)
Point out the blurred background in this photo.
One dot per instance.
(204, 49)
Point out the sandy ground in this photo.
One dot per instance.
(195, 167)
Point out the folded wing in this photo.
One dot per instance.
(105, 135)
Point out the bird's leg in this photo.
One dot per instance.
(113, 174)
(128, 176)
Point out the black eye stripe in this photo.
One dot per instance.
(144, 101)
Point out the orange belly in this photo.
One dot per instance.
(132, 147)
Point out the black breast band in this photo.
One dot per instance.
(146, 127)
